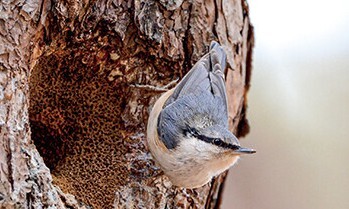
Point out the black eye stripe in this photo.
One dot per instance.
(216, 141)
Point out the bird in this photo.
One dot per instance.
(187, 129)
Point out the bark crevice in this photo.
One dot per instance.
(86, 120)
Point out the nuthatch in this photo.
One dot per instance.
(187, 131)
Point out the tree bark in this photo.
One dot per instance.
(73, 81)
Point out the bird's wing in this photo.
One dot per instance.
(206, 75)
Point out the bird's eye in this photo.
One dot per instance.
(217, 142)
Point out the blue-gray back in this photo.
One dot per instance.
(198, 100)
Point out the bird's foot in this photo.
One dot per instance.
(155, 88)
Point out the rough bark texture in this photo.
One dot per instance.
(87, 118)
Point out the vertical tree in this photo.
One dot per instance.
(69, 77)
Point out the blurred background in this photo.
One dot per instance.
(298, 109)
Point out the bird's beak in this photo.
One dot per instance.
(243, 150)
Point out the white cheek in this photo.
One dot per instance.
(197, 149)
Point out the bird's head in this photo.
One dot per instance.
(215, 140)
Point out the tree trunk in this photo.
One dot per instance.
(73, 81)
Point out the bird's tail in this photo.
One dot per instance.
(217, 55)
